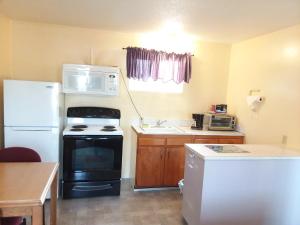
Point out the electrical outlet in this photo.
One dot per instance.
(284, 140)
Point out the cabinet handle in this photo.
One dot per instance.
(161, 155)
(190, 165)
(168, 155)
(192, 155)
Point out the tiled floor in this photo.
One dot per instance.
(131, 208)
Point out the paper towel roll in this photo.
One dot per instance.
(253, 101)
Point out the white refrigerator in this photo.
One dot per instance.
(33, 113)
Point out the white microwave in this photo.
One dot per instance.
(88, 79)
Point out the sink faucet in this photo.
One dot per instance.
(160, 122)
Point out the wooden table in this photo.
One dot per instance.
(23, 190)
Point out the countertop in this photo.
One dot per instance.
(188, 131)
(254, 152)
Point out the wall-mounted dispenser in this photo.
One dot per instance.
(254, 100)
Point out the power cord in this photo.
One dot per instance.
(130, 97)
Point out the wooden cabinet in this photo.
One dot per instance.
(230, 141)
(150, 166)
(206, 140)
(160, 158)
(179, 141)
(174, 165)
(174, 159)
(219, 140)
(151, 141)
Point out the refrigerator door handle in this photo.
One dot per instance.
(31, 129)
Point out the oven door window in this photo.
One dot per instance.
(92, 157)
(87, 158)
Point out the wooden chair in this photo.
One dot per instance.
(17, 154)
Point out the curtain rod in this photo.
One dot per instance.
(126, 49)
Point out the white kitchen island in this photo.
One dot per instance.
(253, 185)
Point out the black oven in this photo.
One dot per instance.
(92, 165)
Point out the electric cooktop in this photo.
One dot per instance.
(226, 149)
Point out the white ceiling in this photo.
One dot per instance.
(214, 20)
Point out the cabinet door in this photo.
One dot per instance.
(174, 165)
(150, 141)
(150, 164)
(179, 141)
(231, 141)
(206, 141)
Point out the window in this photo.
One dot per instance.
(157, 71)
(155, 86)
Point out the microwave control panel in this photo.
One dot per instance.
(112, 84)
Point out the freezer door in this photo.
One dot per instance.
(31, 103)
(43, 140)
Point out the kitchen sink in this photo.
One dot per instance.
(161, 130)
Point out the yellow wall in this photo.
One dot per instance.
(270, 63)
(39, 50)
(5, 39)
(5, 25)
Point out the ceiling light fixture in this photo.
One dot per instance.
(172, 27)
(291, 52)
(170, 38)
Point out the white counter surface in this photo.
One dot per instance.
(256, 188)
(254, 152)
(188, 131)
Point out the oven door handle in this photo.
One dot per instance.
(92, 138)
(92, 188)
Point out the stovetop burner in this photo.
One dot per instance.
(108, 129)
(80, 126)
(76, 129)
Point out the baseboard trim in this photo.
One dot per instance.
(156, 189)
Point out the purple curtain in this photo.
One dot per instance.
(144, 63)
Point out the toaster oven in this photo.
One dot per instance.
(221, 122)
